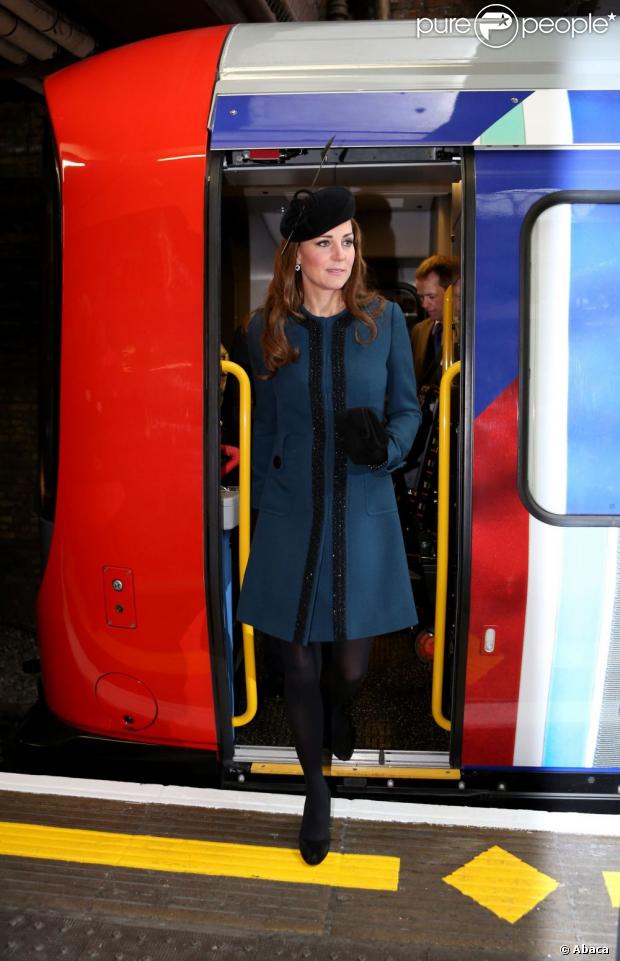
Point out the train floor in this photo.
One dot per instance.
(118, 875)
(390, 712)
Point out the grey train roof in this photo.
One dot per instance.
(388, 55)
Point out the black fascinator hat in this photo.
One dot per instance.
(312, 214)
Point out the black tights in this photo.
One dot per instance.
(304, 702)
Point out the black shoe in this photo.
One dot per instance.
(313, 852)
(343, 737)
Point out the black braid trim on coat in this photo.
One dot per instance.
(315, 386)
(339, 516)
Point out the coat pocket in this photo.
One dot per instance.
(277, 492)
(380, 496)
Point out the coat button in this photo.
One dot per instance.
(277, 462)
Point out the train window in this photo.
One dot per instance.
(571, 304)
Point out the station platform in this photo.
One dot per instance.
(105, 871)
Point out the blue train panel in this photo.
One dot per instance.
(357, 119)
(595, 115)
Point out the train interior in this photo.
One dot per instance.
(409, 206)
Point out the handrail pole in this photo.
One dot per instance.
(443, 537)
(447, 339)
(245, 444)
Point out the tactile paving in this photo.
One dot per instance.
(504, 884)
(62, 911)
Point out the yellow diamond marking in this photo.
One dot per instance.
(503, 883)
(612, 882)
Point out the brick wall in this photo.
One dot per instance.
(21, 223)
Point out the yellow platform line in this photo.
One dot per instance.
(612, 883)
(187, 856)
(359, 770)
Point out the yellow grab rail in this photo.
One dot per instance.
(443, 533)
(447, 339)
(245, 440)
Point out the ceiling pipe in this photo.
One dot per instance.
(259, 11)
(337, 10)
(300, 9)
(23, 36)
(32, 84)
(51, 23)
(11, 53)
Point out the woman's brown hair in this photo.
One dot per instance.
(285, 298)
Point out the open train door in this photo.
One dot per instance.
(387, 145)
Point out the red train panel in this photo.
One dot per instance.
(131, 129)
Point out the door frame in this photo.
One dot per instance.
(461, 542)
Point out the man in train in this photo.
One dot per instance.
(433, 277)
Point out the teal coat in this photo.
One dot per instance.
(328, 560)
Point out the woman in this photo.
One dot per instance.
(336, 411)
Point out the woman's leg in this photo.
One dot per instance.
(302, 691)
(348, 670)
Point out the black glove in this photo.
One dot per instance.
(362, 435)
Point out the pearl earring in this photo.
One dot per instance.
(297, 267)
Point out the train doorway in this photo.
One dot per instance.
(409, 206)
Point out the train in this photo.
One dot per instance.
(172, 160)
